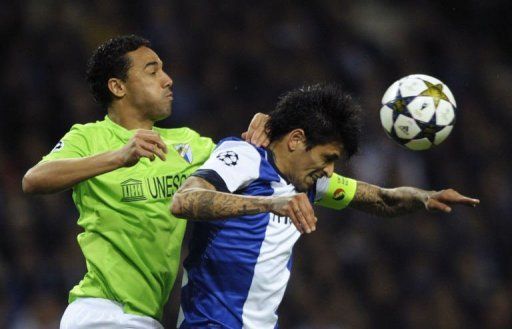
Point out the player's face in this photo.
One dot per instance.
(310, 165)
(148, 87)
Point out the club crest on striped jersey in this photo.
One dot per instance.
(184, 151)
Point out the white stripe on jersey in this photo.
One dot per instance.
(271, 273)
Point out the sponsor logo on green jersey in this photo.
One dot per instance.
(132, 190)
(157, 187)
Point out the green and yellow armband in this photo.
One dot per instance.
(339, 193)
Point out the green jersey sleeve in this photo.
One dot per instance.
(335, 192)
(74, 144)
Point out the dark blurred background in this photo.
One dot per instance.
(230, 59)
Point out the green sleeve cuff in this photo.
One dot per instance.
(339, 193)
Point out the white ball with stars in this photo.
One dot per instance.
(418, 111)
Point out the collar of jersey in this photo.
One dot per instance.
(271, 159)
(122, 131)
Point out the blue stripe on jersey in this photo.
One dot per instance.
(212, 177)
(223, 255)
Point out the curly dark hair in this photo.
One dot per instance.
(324, 111)
(109, 60)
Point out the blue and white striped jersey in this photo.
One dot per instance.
(238, 268)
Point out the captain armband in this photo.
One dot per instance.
(339, 192)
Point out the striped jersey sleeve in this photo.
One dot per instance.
(233, 165)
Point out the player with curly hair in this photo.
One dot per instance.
(238, 267)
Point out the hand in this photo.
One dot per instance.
(442, 199)
(256, 133)
(298, 208)
(145, 143)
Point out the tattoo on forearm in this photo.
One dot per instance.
(388, 202)
(198, 199)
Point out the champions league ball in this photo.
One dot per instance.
(418, 112)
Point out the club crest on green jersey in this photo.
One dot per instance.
(184, 151)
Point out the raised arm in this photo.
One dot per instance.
(403, 200)
(59, 175)
(197, 199)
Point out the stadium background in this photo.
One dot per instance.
(230, 59)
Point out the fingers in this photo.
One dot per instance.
(265, 141)
(153, 150)
(257, 138)
(256, 133)
(451, 196)
(151, 137)
(145, 154)
(302, 214)
(441, 200)
(434, 204)
(260, 138)
(151, 143)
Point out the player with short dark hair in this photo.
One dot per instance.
(238, 267)
(124, 172)
(109, 60)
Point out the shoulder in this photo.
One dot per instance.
(88, 128)
(238, 145)
(183, 133)
(238, 155)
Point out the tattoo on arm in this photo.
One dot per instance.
(198, 199)
(388, 202)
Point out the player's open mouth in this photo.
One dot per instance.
(169, 95)
(314, 178)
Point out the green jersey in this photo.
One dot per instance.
(131, 241)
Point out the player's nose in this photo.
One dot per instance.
(329, 169)
(167, 81)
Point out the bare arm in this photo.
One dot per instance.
(403, 200)
(59, 175)
(198, 199)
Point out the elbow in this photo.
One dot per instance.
(176, 207)
(34, 183)
(28, 184)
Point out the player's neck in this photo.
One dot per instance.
(129, 118)
(280, 155)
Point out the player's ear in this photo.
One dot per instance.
(296, 139)
(116, 87)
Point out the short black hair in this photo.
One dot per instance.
(324, 111)
(109, 60)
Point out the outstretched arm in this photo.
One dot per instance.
(403, 200)
(198, 199)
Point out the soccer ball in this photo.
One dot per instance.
(418, 112)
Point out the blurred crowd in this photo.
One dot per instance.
(230, 59)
